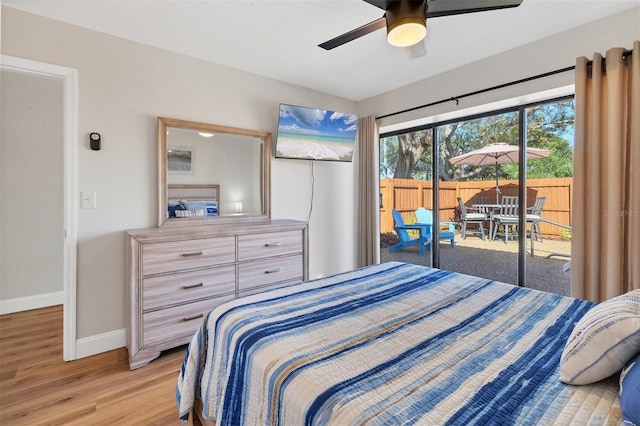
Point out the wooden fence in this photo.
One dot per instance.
(406, 195)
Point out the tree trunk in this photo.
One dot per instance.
(411, 147)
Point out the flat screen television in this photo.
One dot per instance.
(315, 134)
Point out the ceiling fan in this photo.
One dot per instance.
(406, 20)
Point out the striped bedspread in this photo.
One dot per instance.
(391, 344)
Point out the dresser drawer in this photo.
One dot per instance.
(258, 246)
(178, 255)
(269, 271)
(183, 287)
(268, 287)
(175, 323)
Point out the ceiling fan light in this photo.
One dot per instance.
(406, 22)
(406, 33)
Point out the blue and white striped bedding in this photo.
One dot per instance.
(185, 208)
(391, 344)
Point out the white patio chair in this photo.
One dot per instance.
(534, 217)
(507, 216)
(480, 200)
(470, 217)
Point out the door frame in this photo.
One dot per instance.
(69, 79)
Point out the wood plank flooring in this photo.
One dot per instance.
(38, 388)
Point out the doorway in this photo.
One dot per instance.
(61, 232)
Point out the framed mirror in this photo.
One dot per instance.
(211, 174)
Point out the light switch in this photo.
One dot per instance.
(88, 200)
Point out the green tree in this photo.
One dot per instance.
(409, 155)
(388, 156)
(405, 155)
(412, 147)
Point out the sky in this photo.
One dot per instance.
(310, 121)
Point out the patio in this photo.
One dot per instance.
(498, 261)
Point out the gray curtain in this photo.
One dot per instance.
(367, 189)
(605, 240)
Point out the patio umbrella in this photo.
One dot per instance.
(497, 153)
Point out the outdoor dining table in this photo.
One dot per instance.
(492, 208)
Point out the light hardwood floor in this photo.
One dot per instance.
(38, 388)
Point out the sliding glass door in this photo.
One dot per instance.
(473, 194)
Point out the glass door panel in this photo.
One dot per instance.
(477, 172)
(405, 186)
(549, 186)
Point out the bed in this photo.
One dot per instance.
(192, 200)
(391, 344)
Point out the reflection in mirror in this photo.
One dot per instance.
(211, 174)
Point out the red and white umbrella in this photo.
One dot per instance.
(497, 153)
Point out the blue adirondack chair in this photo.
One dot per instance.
(405, 239)
(425, 217)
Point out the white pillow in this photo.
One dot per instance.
(602, 341)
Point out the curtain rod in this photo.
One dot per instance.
(456, 99)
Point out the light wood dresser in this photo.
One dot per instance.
(176, 275)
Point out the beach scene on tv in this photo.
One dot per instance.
(315, 134)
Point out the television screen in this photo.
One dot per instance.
(315, 134)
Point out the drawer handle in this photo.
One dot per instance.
(272, 271)
(188, 286)
(273, 244)
(195, 253)
(192, 318)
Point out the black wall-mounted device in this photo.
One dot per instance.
(94, 141)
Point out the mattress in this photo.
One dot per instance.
(391, 344)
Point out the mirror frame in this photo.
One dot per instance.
(165, 123)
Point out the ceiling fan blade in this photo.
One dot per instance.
(354, 34)
(437, 8)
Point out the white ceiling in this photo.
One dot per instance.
(279, 38)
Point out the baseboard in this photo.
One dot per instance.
(86, 346)
(19, 304)
(99, 343)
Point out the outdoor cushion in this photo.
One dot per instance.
(475, 216)
(603, 341)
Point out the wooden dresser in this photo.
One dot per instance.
(176, 275)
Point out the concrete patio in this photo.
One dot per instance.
(498, 261)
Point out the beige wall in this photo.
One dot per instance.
(123, 87)
(31, 224)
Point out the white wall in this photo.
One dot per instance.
(123, 87)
